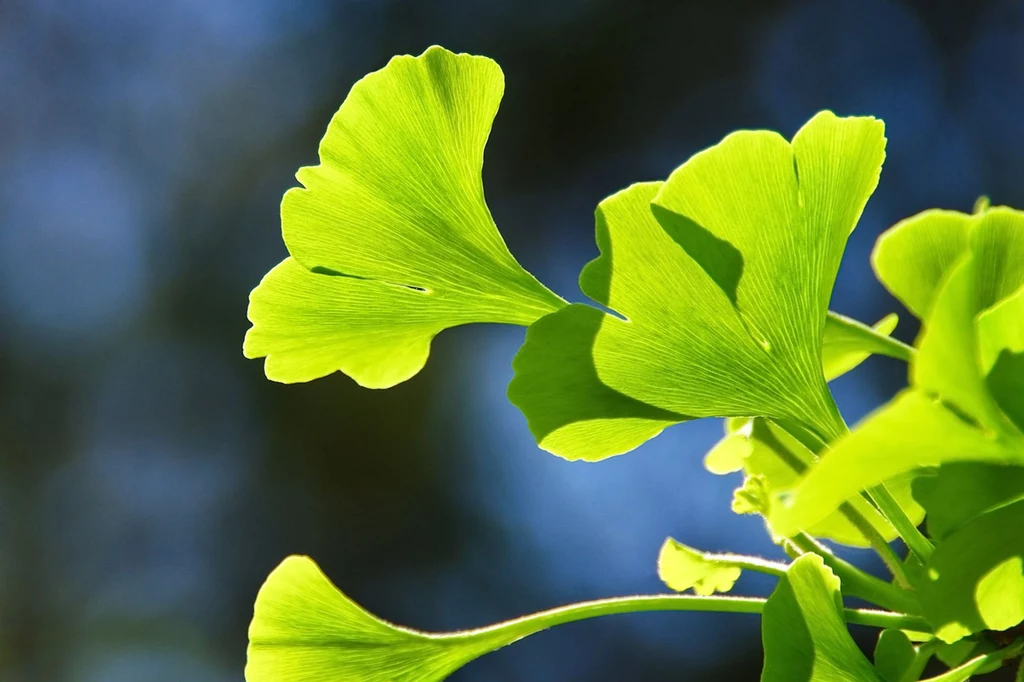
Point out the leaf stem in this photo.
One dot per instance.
(922, 654)
(891, 509)
(533, 623)
(964, 671)
(818, 446)
(751, 563)
(878, 543)
(856, 582)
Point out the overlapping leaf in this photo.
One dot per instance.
(956, 410)
(722, 277)
(804, 630)
(959, 491)
(975, 579)
(391, 241)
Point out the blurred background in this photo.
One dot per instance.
(150, 477)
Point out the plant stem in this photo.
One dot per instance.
(751, 563)
(817, 446)
(878, 543)
(891, 509)
(530, 624)
(856, 582)
(922, 654)
(962, 672)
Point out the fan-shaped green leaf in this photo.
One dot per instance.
(804, 630)
(682, 568)
(722, 276)
(305, 630)
(390, 237)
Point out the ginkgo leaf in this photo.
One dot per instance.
(950, 413)
(846, 343)
(911, 257)
(305, 630)
(894, 654)
(390, 237)
(719, 281)
(975, 579)
(804, 631)
(683, 568)
(776, 460)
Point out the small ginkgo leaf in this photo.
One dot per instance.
(722, 277)
(804, 630)
(390, 237)
(682, 568)
(305, 630)
(846, 343)
(950, 414)
(754, 497)
(775, 460)
(975, 579)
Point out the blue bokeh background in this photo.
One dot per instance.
(150, 477)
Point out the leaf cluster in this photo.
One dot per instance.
(710, 299)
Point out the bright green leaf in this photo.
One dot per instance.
(682, 568)
(959, 491)
(722, 277)
(912, 257)
(305, 630)
(804, 631)
(975, 579)
(894, 654)
(846, 343)
(390, 237)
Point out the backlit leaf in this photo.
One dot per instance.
(683, 568)
(804, 630)
(846, 343)
(911, 257)
(722, 277)
(305, 630)
(390, 237)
